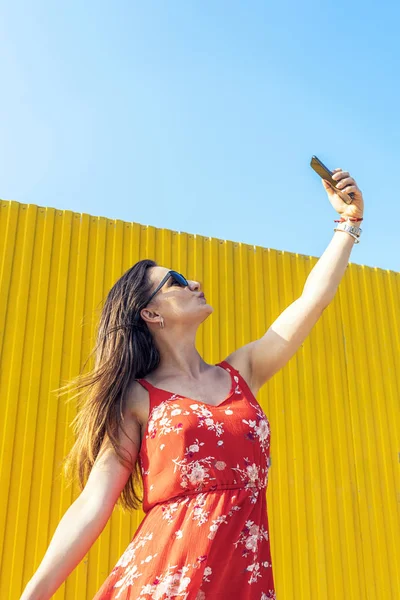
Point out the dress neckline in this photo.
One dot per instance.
(229, 369)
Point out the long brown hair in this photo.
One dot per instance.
(123, 352)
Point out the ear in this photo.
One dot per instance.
(150, 316)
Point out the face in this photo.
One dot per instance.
(177, 304)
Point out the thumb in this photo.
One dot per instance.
(326, 184)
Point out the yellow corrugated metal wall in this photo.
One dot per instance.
(333, 494)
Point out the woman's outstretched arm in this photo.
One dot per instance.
(77, 531)
(87, 516)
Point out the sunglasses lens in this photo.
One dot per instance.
(179, 278)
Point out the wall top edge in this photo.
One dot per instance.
(15, 204)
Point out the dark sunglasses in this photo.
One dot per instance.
(176, 276)
(180, 279)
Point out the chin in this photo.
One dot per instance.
(206, 312)
(210, 308)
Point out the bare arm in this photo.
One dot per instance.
(77, 531)
(86, 518)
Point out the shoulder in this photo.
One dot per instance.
(137, 402)
(240, 360)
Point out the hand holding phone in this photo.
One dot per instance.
(325, 173)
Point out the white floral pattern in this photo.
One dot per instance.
(253, 476)
(250, 537)
(206, 419)
(205, 473)
(259, 427)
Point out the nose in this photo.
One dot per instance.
(194, 285)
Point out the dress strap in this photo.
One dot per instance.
(227, 366)
(146, 384)
(156, 395)
(242, 382)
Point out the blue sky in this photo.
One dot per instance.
(203, 116)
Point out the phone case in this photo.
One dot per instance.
(325, 173)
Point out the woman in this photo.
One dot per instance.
(193, 431)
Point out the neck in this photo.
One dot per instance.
(178, 355)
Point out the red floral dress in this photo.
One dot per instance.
(205, 533)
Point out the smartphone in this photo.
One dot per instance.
(325, 173)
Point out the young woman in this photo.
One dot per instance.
(192, 432)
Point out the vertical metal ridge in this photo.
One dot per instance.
(333, 488)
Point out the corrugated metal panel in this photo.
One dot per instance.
(334, 492)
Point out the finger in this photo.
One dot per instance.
(343, 182)
(340, 174)
(350, 188)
